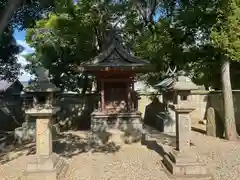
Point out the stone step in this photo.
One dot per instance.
(154, 144)
(160, 137)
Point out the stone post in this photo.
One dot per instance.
(43, 136)
(183, 129)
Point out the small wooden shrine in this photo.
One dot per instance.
(115, 69)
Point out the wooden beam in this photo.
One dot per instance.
(116, 80)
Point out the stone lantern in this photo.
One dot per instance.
(183, 161)
(45, 164)
(182, 88)
(176, 90)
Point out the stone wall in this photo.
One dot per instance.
(216, 101)
(201, 100)
(76, 109)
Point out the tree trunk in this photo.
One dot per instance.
(229, 116)
(11, 6)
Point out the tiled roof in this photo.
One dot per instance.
(5, 84)
(177, 83)
(115, 56)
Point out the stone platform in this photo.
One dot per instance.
(185, 165)
(177, 165)
(104, 124)
(50, 167)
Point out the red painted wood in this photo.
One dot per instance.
(116, 86)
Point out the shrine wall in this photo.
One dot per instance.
(76, 109)
(201, 100)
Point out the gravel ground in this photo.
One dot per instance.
(221, 156)
(130, 163)
(134, 162)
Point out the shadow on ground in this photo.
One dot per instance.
(66, 145)
(69, 145)
(13, 151)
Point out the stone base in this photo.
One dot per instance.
(185, 165)
(50, 167)
(105, 127)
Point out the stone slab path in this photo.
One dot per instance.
(136, 162)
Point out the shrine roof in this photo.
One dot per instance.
(179, 83)
(115, 56)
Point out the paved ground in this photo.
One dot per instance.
(135, 162)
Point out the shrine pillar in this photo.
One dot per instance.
(102, 96)
(129, 97)
(133, 95)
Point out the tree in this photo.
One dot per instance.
(71, 35)
(225, 35)
(16, 14)
(9, 68)
(22, 13)
(201, 38)
(10, 7)
(214, 25)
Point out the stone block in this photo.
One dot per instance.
(188, 156)
(184, 166)
(215, 125)
(50, 167)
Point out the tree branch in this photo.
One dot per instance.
(11, 6)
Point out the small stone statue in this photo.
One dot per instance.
(48, 103)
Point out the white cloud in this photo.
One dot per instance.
(24, 77)
(27, 50)
(22, 60)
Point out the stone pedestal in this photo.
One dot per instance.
(50, 167)
(45, 164)
(104, 125)
(183, 161)
(185, 165)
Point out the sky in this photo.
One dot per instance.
(20, 38)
